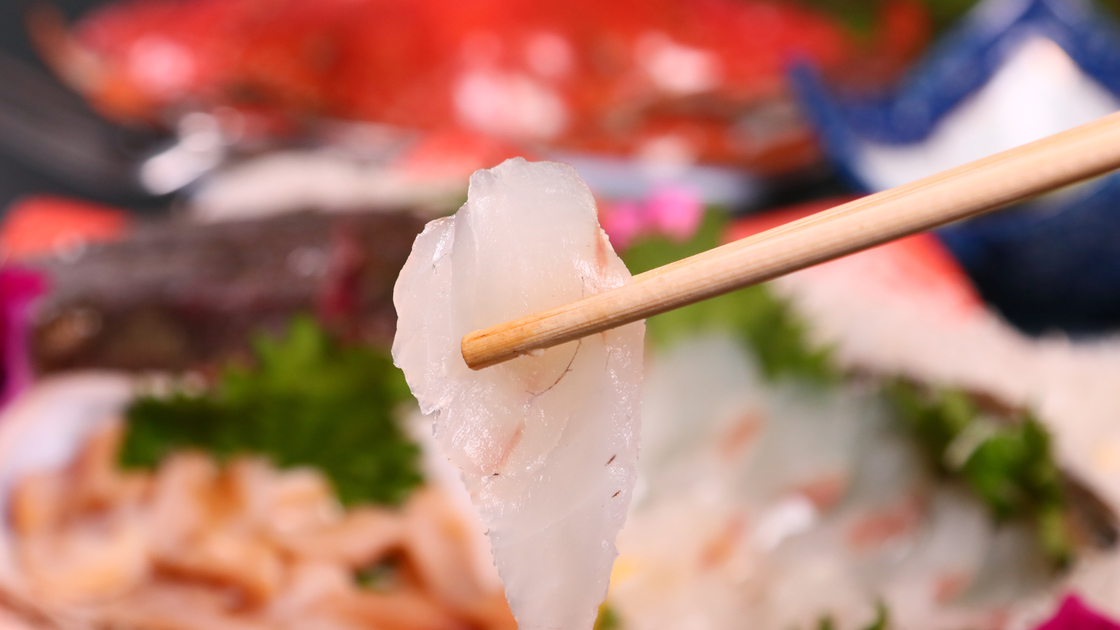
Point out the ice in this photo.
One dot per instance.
(547, 443)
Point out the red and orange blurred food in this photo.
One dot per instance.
(583, 74)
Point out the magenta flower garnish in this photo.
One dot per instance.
(1075, 615)
(670, 211)
(18, 289)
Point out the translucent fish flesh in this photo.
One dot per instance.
(546, 443)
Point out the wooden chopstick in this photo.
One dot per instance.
(959, 193)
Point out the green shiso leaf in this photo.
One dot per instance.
(305, 402)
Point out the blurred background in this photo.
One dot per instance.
(237, 112)
(201, 201)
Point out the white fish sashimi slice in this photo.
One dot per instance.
(546, 444)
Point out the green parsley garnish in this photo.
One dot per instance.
(1006, 462)
(306, 401)
(763, 321)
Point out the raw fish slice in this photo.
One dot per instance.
(546, 444)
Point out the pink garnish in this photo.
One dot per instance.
(18, 289)
(669, 211)
(676, 212)
(1075, 615)
(623, 223)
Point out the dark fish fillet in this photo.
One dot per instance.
(175, 294)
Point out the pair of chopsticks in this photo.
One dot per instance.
(959, 193)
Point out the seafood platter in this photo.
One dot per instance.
(251, 411)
